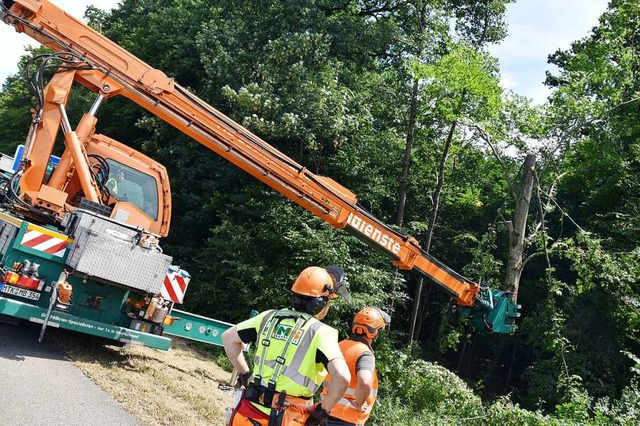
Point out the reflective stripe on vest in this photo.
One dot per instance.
(352, 392)
(112, 185)
(289, 365)
(280, 360)
(344, 408)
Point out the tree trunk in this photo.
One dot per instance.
(432, 222)
(517, 229)
(404, 183)
(414, 309)
(423, 310)
(439, 184)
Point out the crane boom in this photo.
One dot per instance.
(115, 71)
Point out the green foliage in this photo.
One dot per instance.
(480, 22)
(416, 392)
(624, 411)
(465, 83)
(582, 327)
(16, 101)
(422, 388)
(484, 264)
(329, 84)
(595, 108)
(504, 412)
(576, 399)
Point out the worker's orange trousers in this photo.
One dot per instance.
(247, 415)
(241, 420)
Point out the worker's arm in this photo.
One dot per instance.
(365, 386)
(233, 347)
(340, 378)
(234, 339)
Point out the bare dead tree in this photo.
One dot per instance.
(517, 229)
(517, 225)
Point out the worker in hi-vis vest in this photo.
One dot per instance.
(355, 406)
(294, 353)
(113, 181)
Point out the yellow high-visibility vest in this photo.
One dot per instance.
(295, 372)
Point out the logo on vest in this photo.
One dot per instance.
(282, 332)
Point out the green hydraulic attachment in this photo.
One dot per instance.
(495, 312)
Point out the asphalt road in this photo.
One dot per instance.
(39, 387)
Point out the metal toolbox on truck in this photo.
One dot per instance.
(83, 219)
(115, 260)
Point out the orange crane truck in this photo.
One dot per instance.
(79, 236)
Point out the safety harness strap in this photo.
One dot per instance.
(256, 392)
(265, 342)
(300, 322)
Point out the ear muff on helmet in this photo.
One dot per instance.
(315, 305)
(310, 305)
(314, 287)
(339, 284)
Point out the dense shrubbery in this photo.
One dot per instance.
(415, 392)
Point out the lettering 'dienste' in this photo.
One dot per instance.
(373, 233)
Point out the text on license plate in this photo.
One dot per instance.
(20, 292)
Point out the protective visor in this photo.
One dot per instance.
(385, 317)
(387, 321)
(339, 285)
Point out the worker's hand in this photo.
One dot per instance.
(317, 415)
(243, 380)
(355, 405)
(364, 408)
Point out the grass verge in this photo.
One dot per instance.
(175, 387)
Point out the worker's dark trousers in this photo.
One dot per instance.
(332, 421)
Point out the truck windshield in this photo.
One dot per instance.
(128, 184)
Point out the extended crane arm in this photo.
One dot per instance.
(117, 72)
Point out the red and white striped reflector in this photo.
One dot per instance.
(44, 240)
(175, 284)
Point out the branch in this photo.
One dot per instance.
(542, 218)
(367, 10)
(375, 11)
(562, 211)
(532, 256)
(505, 222)
(485, 137)
(624, 103)
(474, 418)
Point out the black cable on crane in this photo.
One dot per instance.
(100, 174)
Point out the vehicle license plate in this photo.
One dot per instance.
(20, 292)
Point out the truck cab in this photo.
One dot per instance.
(141, 196)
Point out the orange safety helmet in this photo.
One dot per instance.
(369, 321)
(321, 282)
(313, 282)
(315, 286)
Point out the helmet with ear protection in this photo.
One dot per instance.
(314, 282)
(315, 286)
(369, 321)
